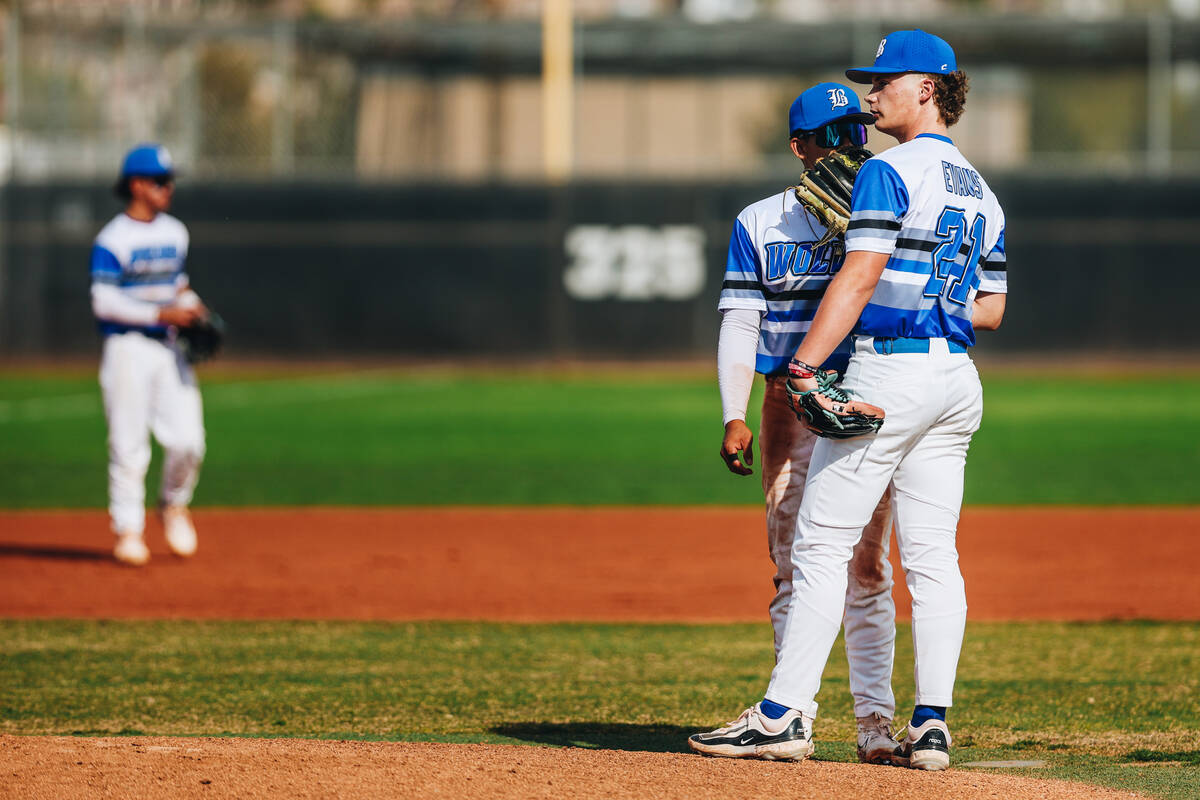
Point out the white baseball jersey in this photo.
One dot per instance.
(144, 260)
(775, 267)
(945, 243)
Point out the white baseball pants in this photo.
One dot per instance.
(870, 616)
(148, 387)
(934, 403)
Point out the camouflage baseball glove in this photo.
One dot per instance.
(201, 341)
(824, 190)
(828, 410)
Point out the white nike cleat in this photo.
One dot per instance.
(876, 742)
(928, 746)
(181, 534)
(131, 549)
(755, 735)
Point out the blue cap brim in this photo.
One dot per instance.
(863, 118)
(867, 74)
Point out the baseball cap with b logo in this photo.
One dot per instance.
(908, 51)
(823, 104)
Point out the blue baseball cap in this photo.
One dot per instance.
(908, 51)
(823, 104)
(148, 161)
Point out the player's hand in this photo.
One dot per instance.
(181, 316)
(799, 385)
(738, 438)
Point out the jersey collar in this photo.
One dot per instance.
(937, 136)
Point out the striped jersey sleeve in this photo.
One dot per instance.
(878, 204)
(742, 287)
(105, 267)
(994, 277)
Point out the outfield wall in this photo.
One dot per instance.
(307, 270)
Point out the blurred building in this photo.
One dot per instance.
(451, 89)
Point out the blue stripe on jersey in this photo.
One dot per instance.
(153, 331)
(105, 267)
(789, 312)
(926, 323)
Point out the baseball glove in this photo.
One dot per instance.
(828, 410)
(201, 341)
(825, 189)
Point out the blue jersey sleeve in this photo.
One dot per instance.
(878, 204)
(105, 267)
(742, 287)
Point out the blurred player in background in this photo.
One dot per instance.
(140, 294)
(774, 280)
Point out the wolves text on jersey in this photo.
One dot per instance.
(799, 258)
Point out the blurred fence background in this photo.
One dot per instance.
(369, 177)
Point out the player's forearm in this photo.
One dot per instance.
(841, 307)
(736, 348)
(111, 304)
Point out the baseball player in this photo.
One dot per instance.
(140, 295)
(925, 268)
(775, 278)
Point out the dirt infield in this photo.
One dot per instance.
(504, 564)
(608, 564)
(62, 767)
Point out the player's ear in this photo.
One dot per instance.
(796, 148)
(927, 88)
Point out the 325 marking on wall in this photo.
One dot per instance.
(634, 262)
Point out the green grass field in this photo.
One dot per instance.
(1106, 703)
(389, 438)
(1113, 704)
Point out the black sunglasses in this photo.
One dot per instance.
(836, 134)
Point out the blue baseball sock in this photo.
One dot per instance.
(772, 710)
(922, 714)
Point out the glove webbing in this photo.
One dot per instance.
(822, 191)
(835, 171)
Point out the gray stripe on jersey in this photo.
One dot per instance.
(910, 296)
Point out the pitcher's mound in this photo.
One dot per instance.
(153, 767)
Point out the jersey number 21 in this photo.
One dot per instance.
(951, 272)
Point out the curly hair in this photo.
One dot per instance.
(950, 95)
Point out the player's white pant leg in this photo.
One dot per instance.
(126, 366)
(785, 448)
(870, 620)
(929, 489)
(846, 480)
(177, 420)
